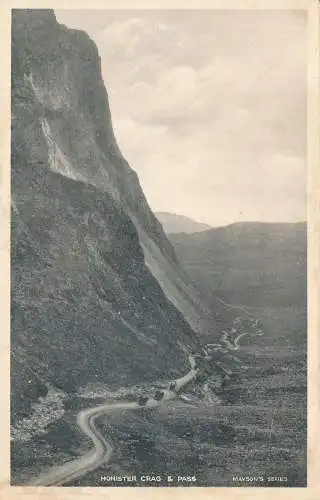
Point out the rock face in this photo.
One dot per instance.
(97, 292)
(173, 223)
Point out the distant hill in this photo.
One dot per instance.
(173, 223)
(249, 263)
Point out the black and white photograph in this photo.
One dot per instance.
(158, 296)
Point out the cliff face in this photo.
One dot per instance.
(97, 293)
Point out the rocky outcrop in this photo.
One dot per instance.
(97, 292)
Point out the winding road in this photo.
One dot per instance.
(102, 449)
(228, 344)
(236, 345)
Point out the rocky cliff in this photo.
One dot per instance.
(97, 292)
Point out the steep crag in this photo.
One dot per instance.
(97, 292)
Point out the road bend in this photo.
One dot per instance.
(102, 449)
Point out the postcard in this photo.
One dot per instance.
(160, 207)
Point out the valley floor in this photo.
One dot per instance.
(253, 435)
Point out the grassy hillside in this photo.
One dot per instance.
(248, 263)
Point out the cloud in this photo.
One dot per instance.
(121, 38)
(209, 107)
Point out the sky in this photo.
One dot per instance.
(208, 107)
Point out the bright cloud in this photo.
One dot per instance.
(208, 107)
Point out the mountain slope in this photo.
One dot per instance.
(254, 263)
(173, 223)
(102, 310)
(97, 293)
(59, 70)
